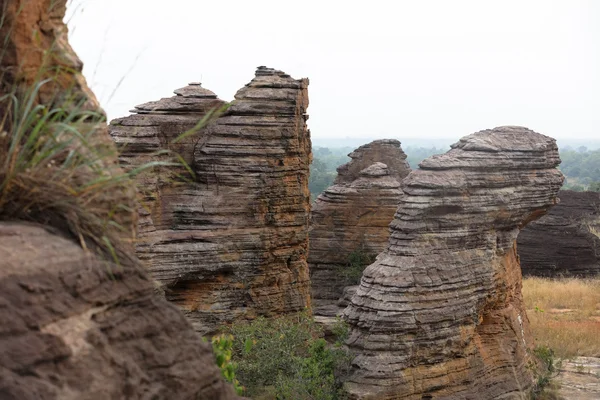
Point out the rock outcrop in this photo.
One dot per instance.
(75, 325)
(439, 314)
(71, 330)
(350, 220)
(566, 241)
(230, 242)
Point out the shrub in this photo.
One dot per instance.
(546, 368)
(222, 348)
(286, 358)
(358, 260)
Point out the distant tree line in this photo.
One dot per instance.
(580, 166)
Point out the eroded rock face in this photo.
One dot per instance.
(566, 241)
(350, 220)
(74, 326)
(439, 314)
(70, 330)
(35, 47)
(231, 242)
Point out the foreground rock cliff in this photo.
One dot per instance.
(566, 241)
(231, 241)
(71, 330)
(350, 220)
(74, 325)
(439, 314)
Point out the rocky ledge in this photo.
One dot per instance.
(439, 314)
(350, 220)
(566, 241)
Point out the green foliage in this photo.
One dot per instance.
(222, 348)
(341, 331)
(286, 358)
(581, 167)
(323, 169)
(358, 260)
(414, 155)
(546, 368)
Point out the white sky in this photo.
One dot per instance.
(418, 68)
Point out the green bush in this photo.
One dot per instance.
(286, 358)
(546, 368)
(358, 260)
(222, 348)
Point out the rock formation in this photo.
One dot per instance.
(70, 330)
(75, 325)
(231, 241)
(439, 314)
(566, 241)
(350, 220)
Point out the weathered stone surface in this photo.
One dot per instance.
(439, 314)
(353, 217)
(73, 326)
(70, 330)
(387, 151)
(566, 241)
(35, 47)
(39, 67)
(231, 242)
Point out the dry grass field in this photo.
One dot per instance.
(564, 314)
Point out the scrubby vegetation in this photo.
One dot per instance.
(358, 260)
(564, 314)
(286, 358)
(545, 370)
(581, 167)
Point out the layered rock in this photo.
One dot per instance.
(350, 220)
(74, 325)
(439, 314)
(71, 330)
(387, 151)
(566, 241)
(231, 241)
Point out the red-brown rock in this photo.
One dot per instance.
(231, 242)
(440, 313)
(350, 220)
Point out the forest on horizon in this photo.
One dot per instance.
(580, 165)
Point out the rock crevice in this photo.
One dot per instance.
(350, 220)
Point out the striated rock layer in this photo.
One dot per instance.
(439, 315)
(70, 330)
(72, 324)
(566, 241)
(231, 241)
(350, 220)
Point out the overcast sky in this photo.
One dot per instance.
(403, 69)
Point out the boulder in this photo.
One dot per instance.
(77, 327)
(350, 220)
(229, 242)
(566, 241)
(439, 314)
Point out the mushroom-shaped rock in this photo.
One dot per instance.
(439, 314)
